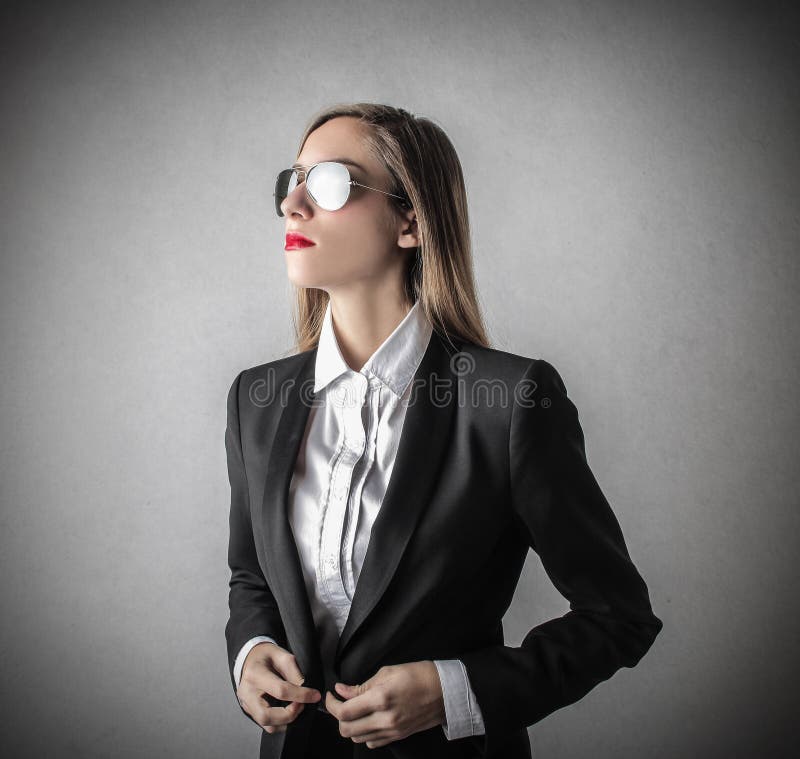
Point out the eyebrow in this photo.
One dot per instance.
(337, 160)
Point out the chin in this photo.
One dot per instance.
(305, 279)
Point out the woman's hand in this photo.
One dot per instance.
(272, 670)
(399, 700)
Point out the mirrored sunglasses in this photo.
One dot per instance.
(328, 185)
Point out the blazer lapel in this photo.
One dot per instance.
(279, 544)
(423, 440)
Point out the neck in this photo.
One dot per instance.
(362, 325)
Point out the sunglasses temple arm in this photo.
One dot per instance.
(399, 197)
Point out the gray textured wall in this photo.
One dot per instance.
(632, 170)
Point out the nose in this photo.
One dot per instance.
(297, 201)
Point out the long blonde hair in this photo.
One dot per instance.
(425, 169)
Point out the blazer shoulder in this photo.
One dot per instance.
(501, 361)
(525, 374)
(285, 366)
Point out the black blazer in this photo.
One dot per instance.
(492, 463)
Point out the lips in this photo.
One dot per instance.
(295, 240)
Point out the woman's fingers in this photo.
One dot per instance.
(274, 672)
(272, 716)
(292, 710)
(289, 686)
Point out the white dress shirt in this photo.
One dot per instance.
(338, 483)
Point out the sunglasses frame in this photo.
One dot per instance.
(306, 170)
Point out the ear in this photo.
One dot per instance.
(408, 235)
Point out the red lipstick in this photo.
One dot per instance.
(294, 241)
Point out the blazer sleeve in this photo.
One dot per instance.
(572, 528)
(253, 609)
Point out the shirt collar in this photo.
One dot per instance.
(395, 361)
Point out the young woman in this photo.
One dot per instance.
(389, 477)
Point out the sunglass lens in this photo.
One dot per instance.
(328, 184)
(284, 184)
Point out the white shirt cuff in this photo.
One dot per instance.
(463, 716)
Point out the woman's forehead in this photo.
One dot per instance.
(340, 139)
(338, 159)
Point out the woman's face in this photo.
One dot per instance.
(362, 244)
